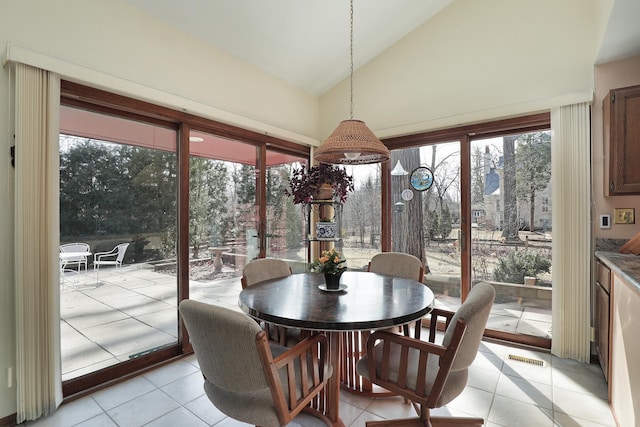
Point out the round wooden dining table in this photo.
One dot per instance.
(366, 301)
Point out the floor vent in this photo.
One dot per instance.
(528, 360)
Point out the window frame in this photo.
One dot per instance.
(465, 135)
(104, 102)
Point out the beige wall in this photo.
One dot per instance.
(113, 45)
(610, 76)
(475, 61)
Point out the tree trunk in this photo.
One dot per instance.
(510, 223)
(407, 226)
(532, 210)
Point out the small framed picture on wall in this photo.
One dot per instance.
(624, 216)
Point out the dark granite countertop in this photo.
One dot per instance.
(627, 266)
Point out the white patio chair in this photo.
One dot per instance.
(112, 257)
(80, 260)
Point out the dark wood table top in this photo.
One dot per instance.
(370, 301)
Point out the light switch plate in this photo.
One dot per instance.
(605, 221)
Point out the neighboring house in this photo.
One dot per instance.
(490, 213)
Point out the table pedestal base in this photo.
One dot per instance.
(333, 385)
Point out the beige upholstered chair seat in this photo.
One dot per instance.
(255, 404)
(456, 381)
(245, 376)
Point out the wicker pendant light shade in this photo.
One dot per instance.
(352, 143)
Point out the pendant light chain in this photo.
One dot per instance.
(351, 56)
(352, 142)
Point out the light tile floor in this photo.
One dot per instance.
(504, 392)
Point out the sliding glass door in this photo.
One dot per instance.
(479, 209)
(285, 235)
(223, 214)
(118, 181)
(512, 229)
(425, 184)
(158, 205)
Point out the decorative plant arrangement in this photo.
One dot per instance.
(305, 183)
(329, 262)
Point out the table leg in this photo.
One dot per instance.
(333, 385)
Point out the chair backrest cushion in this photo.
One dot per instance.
(397, 264)
(224, 342)
(263, 269)
(475, 312)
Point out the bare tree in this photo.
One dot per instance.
(407, 227)
(445, 175)
(510, 229)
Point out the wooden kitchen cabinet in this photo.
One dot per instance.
(602, 303)
(621, 123)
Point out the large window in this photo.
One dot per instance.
(426, 214)
(285, 238)
(483, 214)
(512, 233)
(361, 227)
(118, 181)
(189, 200)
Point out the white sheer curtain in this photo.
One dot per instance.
(571, 171)
(37, 105)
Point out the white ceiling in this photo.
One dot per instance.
(303, 42)
(306, 42)
(622, 36)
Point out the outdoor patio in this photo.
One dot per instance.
(132, 311)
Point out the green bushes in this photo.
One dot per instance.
(515, 266)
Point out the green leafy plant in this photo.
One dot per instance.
(304, 183)
(515, 266)
(139, 242)
(329, 262)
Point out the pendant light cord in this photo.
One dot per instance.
(351, 56)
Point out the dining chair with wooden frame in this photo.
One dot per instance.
(249, 378)
(428, 374)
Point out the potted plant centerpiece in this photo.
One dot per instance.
(332, 266)
(305, 184)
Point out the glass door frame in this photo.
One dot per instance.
(100, 101)
(463, 134)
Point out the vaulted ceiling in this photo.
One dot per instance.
(306, 42)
